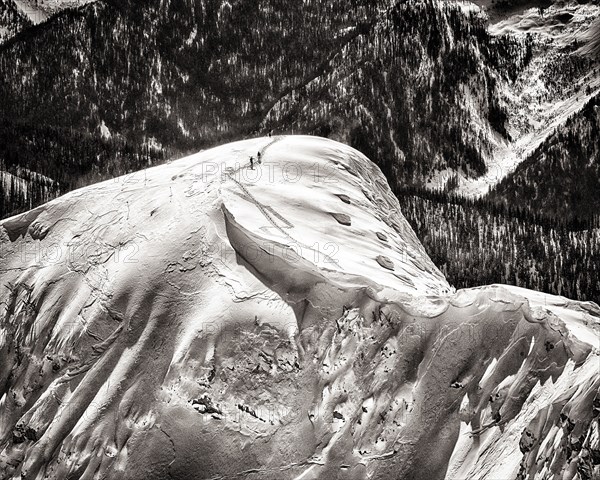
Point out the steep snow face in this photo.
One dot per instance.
(204, 319)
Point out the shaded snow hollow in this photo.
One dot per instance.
(203, 320)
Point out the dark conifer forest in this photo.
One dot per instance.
(388, 78)
(113, 87)
(561, 178)
(539, 228)
(481, 242)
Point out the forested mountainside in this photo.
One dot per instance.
(478, 242)
(39, 163)
(538, 228)
(419, 96)
(12, 20)
(416, 81)
(560, 78)
(561, 178)
(420, 86)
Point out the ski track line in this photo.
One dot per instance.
(264, 211)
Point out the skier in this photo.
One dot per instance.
(251, 163)
(258, 157)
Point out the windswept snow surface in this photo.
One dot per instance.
(204, 320)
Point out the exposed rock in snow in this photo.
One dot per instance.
(203, 319)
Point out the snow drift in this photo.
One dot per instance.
(203, 319)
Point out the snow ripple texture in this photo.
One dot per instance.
(216, 318)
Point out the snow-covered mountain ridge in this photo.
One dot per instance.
(203, 319)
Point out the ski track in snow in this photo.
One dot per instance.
(193, 320)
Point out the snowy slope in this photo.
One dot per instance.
(204, 320)
(38, 12)
(18, 15)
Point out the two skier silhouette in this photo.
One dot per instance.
(258, 155)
